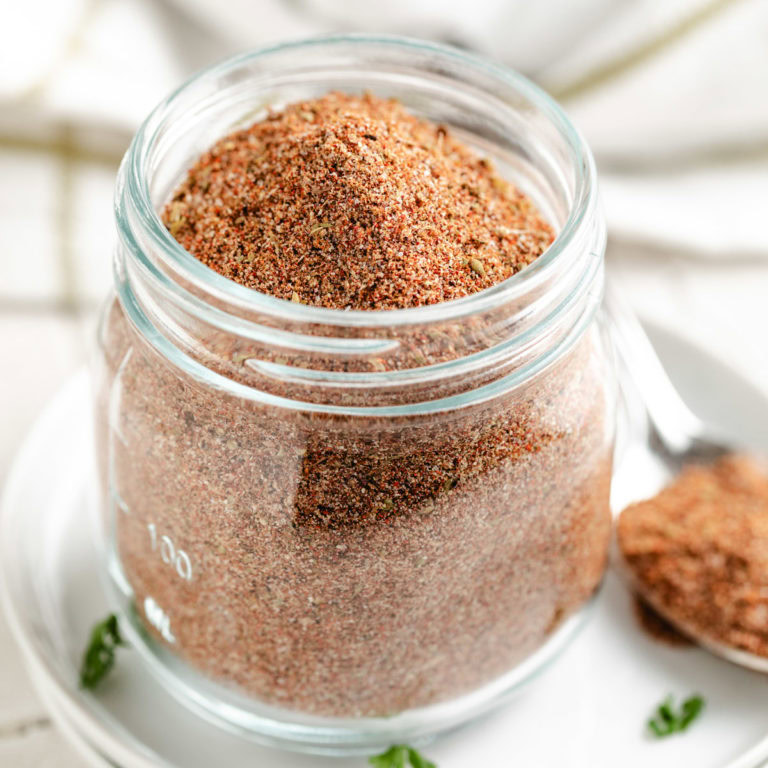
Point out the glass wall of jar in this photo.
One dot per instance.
(331, 529)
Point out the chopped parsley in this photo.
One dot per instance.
(99, 656)
(667, 721)
(400, 756)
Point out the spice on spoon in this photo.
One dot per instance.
(657, 627)
(698, 552)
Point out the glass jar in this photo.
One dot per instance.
(334, 529)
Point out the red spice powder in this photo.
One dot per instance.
(349, 565)
(657, 626)
(699, 552)
(353, 203)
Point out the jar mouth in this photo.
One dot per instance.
(330, 360)
(133, 200)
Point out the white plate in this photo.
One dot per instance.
(587, 710)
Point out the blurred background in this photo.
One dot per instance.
(672, 95)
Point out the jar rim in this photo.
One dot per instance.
(135, 184)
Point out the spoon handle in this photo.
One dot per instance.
(672, 422)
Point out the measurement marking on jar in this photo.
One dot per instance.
(159, 619)
(120, 502)
(170, 553)
(115, 432)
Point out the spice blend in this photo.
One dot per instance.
(353, 565)
(699, 552)
(352, 203)
(657, 626)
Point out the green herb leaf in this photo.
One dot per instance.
(418, 761)
(99, 656)
(400, 756)
(666, 713)
(394, 757)
(691, 710)
(666, 721)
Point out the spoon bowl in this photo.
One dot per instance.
(671, 437)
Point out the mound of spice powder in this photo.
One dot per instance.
(352, 565)
(698, 551)
(352, 203)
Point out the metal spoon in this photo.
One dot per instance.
(674, 436)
